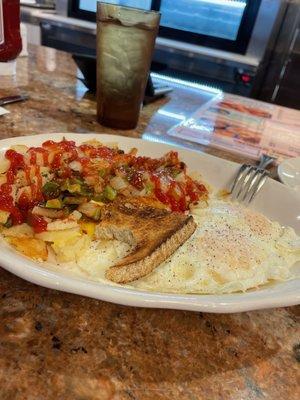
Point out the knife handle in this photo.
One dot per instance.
(12, 99)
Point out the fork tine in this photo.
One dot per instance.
(251, 182)
(238, 179)
(245, 183)
(255, 189)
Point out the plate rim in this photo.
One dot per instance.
(34, 273)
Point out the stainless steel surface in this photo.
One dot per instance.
(280, 83)
(250, 179)
(50, 3)
(267, 24)
(265, 160)
(76, 25)
(266, 18)
(12, 99)
(202, 64)
(62, 7)
(40, 4)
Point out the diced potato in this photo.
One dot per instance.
(19, 231)
(30, 247)
(3, 179)
(62, 225)
(3, 216)
(4, 165)
(88, 228)
(93, 142)
(59, 237)
(20, 148)
(111, 145)
(72, 249)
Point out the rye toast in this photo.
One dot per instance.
(154, 234)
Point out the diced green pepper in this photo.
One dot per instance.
(77, 180)
(51, 190)
(99, 198)
(74, 188)
(102, 172)
(175, 172)
(149, 187)
(74, 200)
(4, 216)
(8, 223)
(86, 191)
(109, 193)
(97, 214)
(54, 203)
(98, 203)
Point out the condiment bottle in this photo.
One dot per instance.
(10, 37)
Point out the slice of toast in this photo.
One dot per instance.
(154, 234)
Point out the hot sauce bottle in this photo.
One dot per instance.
(10, 38)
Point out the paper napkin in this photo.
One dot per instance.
(3, 111)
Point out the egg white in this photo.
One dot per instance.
(233, 249)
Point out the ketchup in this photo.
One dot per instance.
(10, 38)
(7, 204)
(37, 223)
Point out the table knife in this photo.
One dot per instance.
(13, 99)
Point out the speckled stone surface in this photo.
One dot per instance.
(56, 345)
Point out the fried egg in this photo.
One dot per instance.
(233, 249)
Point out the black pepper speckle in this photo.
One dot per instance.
(296, 351)
(38, 326)
(56, 344)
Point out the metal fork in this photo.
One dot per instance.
(250, 179)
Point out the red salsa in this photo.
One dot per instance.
(68, 173)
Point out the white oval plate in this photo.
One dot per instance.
(289, 173)
(274, 200)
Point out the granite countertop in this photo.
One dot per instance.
(55, 345)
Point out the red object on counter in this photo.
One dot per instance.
(10, 37)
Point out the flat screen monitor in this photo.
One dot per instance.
(222, 24)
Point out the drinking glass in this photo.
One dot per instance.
(125, 44)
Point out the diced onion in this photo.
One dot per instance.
(89, 209)
(48, 212)
(180, 177)
(75, 166)
(76, 215)
(23, 191)
(20, 148)
(118, 183)
(142, 193)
